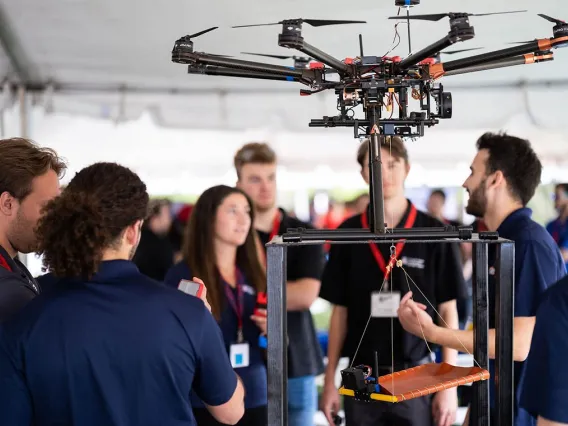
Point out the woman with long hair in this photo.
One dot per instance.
(107, 345)
(220, 249)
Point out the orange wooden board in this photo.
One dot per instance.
(428, 378)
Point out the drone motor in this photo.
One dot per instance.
(403, 3)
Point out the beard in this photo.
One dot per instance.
(477, 203)
(21, 234)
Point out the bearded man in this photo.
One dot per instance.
(504, 176)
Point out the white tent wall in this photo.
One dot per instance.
(185, 161)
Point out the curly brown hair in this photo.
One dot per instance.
(199, 252)
(88, 217)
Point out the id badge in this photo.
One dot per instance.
(385, 305)
(239, 354)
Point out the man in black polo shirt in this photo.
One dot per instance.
(255, 164)
(29, 178)
(351, 282)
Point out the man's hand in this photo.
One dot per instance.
(413, 317)
(329, 403)
(444, 407)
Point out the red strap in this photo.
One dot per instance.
(237, 305)
(273, 233)
(275, 225)
(4, 264)
(399, 246)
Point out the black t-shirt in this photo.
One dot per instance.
(352, 274)
(154, 255)
(304, 353)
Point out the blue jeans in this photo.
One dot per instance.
(302, 400)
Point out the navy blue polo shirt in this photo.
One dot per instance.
(538, 264)
(559, 231)
(119, 350)
(254, 377)
(545, 389)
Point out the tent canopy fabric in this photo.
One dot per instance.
(112, 92)
(111, 59)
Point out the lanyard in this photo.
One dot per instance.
(399, 246)
(273, 233)
(237, 303)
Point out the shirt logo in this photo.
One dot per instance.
(413, 262)
(248, 289)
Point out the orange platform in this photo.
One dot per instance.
(422, 380)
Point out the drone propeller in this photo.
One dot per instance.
(202, 32)
(553, 20)
(312, 22)
(453, 52)
(438, 16)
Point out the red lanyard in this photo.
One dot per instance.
(273, 233)
(399, 246)
(237, 303)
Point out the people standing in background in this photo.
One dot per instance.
(435, 207)
(558, 228)
(363, 302)
(108, 345)
(220, 248)
(504, 176)
(29, 179)
(155, 253)
(255, 164)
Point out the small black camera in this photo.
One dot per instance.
(402, 3)
(445, 105)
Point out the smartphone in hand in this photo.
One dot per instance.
(191, 287)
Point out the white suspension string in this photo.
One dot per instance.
(366, 325)
(440, 316)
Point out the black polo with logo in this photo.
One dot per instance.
(304, 352)
(17, 286)
(352, 275)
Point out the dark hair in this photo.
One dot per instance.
(198, 250)
(155, 207)
(393, 143)
(515, 158)
(254, 152)
(439, 192)
(88, 217)
(21, 161)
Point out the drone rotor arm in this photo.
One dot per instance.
(307, 77)
(239, 64)
(427, 52)
(319, 56)
(497, 55)
(437, 70)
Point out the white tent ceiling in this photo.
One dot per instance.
(110, 44)
(111, 59)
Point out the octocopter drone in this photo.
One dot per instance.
(377, 83)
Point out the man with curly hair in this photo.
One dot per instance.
(29, 178)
